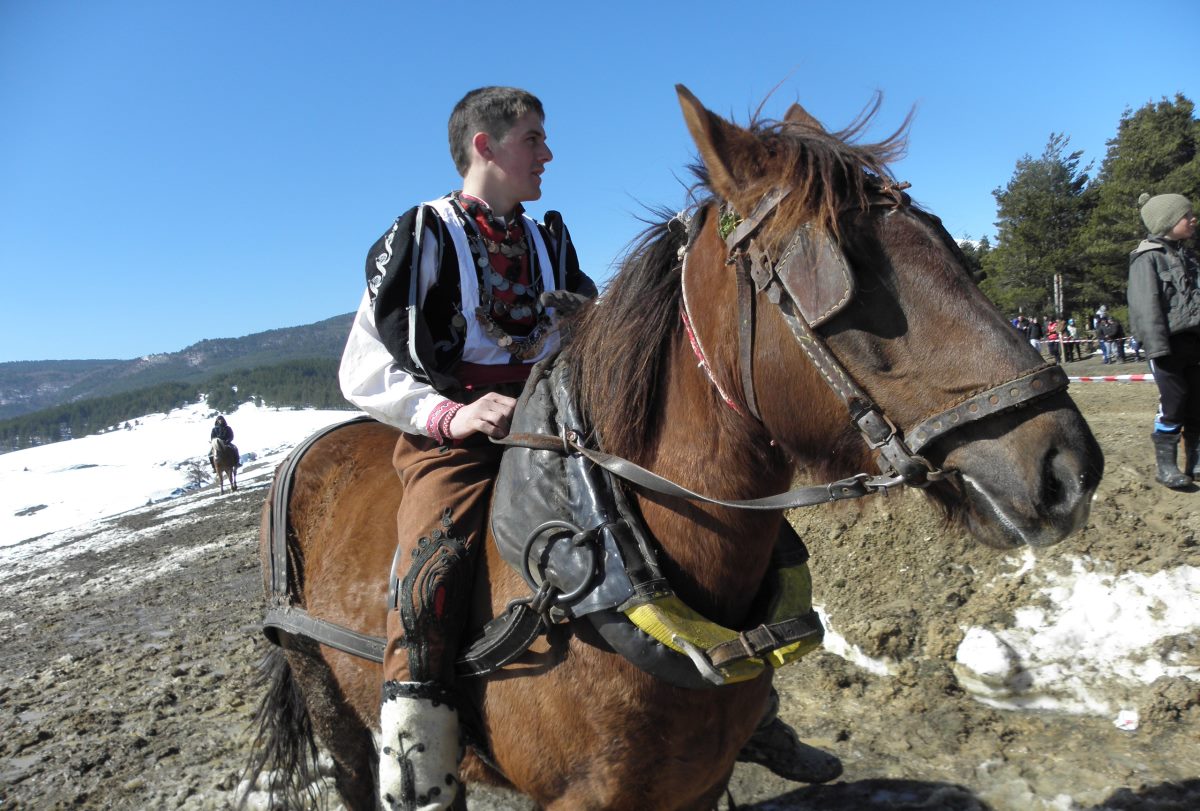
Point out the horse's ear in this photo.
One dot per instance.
(715, 138)
(799, 116)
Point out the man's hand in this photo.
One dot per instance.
(489, 415)
(565, 304)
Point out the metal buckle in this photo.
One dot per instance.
(892, 431)
(701, 661)
(749, 648)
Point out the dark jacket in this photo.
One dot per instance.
(438, 345)
(223, 432)
(1164, 299)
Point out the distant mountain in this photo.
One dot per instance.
(29, 386)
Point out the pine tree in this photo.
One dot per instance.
(1156, 151)
(975, 253)
(1040, 214)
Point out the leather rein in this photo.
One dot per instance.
(899, 460)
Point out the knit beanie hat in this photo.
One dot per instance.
(1161, 212)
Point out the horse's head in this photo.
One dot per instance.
(860, 298)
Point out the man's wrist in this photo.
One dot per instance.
(440, 418)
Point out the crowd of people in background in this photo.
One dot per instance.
(1065, 342)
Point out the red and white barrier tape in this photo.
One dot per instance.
(1114, 379)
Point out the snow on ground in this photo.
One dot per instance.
(1092, 637)
(1093, 629)
(65, 484)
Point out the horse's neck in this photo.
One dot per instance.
(715, 557)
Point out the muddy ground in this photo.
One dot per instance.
(126, 674)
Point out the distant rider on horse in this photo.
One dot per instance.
(223, 432)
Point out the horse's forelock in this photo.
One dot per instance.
(829, 172)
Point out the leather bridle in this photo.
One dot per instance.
(898, 451)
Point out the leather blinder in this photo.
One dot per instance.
(815, 273)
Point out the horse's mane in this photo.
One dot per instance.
(618, 350)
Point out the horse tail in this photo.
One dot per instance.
(284, 748)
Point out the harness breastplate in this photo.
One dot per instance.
(567, 527)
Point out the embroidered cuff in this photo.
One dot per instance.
(438, 423)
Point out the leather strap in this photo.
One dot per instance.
(278, 517)
(502, 641)
(298, 622)
(765, 638)
(745, 311)
(1041, 382)
(746, 228)
(283, 615)
(853, 487)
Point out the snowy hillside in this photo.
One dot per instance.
(64, 484)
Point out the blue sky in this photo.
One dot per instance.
(177, 171)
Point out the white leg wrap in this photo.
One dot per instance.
(418, 753)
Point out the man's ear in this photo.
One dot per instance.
(481, 142)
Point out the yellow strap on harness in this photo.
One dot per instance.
(672, 623)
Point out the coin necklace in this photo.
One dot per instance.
(521, 347)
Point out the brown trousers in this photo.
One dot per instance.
(442, 522)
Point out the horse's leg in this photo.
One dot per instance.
(342, 511)
(339, 728)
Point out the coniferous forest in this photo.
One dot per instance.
(299, 383)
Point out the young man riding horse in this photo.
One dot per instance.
(455, 313)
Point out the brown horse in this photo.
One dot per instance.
(572, 724)
(225, 460)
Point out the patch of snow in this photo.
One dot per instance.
(1094, 635)
(54, 487)
(838, 645)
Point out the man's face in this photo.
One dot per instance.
(1185, 228)
(521, 156)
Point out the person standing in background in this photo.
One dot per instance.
(1071, 351)
(1164, 312)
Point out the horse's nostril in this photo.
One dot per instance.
(1061, 481)
(1053, 490)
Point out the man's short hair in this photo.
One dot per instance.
(487, 109)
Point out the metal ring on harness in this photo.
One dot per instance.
(579, 538)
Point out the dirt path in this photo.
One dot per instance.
(126, 678)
